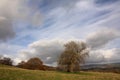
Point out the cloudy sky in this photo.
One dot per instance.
(30, 28)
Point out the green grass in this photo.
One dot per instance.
(12, 73)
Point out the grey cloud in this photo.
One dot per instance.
(6, 29)
(102, 37)
(48, 51)
(116, 56)
(10, 50)
(16, 10)
(50, 4)
(7, 15)
(105, 2)
(104, 56)
(95, 57)
(98, 41)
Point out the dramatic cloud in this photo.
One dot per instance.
(6, 29)
(7, 14)
(100, 51)
(47, 5)
(104, 56)
(30, 22)
(100, 38)
(15, 11)
(47, 50)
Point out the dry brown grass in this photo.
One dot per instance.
(12, 73)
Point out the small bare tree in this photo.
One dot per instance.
(74, 54)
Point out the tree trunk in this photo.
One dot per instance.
(70, 68)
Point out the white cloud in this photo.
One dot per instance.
(10, 50)
(102, 37)
(104, 56)
(47, 50)
(85, 5)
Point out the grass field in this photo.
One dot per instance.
(12, 73)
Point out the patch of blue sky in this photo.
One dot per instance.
(105, 2)
(60, 22)
(23, 34)
(9, 49)
(23, 41)
(47, 5)
(42, 5)
(113, 23)
(20, 26)
(47, 23)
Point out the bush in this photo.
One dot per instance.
(33, 64)
(6, 61)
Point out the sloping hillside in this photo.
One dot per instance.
(12, 73)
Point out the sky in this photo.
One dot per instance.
(40, 28)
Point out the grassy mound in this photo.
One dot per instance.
(13, 73)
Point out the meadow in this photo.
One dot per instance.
(13, 73)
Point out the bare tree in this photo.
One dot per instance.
(74, 54)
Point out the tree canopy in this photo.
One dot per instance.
(73, 55)
(6, 61)
(32, 63)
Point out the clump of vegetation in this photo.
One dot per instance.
(6, 61)
(74, 54)
(33, 64)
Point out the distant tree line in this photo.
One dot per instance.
(6, 61)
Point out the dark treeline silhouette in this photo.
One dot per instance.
(6, 61)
